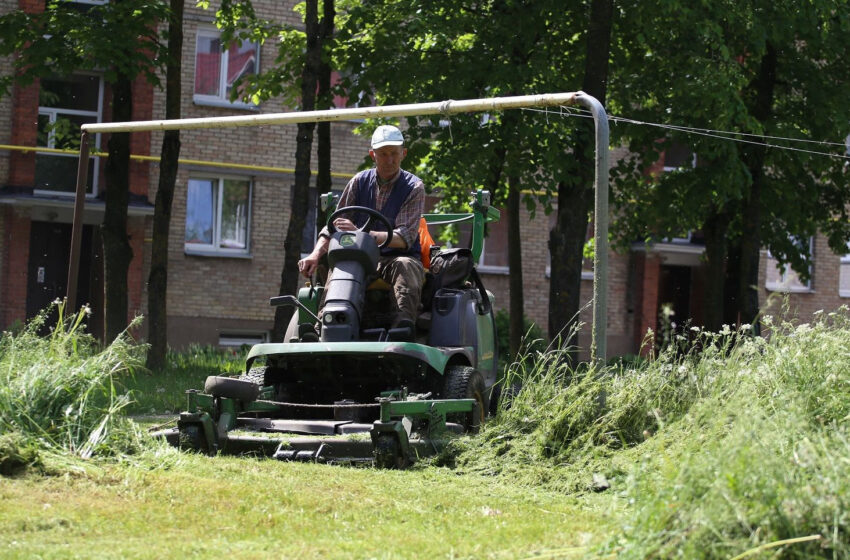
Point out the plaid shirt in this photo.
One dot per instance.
(407, 220)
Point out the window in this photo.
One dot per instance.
(494, 253)
(215, 71)
(217, 216)
(237, 339)
(844, 271)
(66, 103)
(679, 156)
(782, 278)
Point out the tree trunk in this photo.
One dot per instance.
(566, 249)
(575, 199)
(170, 153)
(117, 252)
(301, 188)
(715, 229)
(517, 303)
(754, 159)
(324, 101)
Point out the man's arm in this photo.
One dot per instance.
(407, 219)
(308, 264)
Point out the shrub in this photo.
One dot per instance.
(60, 392)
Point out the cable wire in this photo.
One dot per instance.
(711, 133)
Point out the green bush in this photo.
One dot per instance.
(534, 339)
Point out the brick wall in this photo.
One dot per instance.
(15, 256)
(823, 295)
(231, 294)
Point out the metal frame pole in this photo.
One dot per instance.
(599, 342)
(77, 226)
(448, 107)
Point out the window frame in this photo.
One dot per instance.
(844, 260)
(221, 99)
(53, 113)
(214, 249)
(789, 284)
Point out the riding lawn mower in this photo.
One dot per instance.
(344, 386)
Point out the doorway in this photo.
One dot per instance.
(47, 269)
(674, 288)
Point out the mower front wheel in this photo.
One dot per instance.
(464, 382)
(388, 453)
(231, 388)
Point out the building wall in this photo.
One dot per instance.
(823, 295)
(208, 295)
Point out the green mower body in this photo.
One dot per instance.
(344, 385)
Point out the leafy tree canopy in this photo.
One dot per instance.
(705, 66)
(69, 37)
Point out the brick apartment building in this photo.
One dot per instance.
(229, 221)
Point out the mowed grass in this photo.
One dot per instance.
(724, 445)
(203, 507)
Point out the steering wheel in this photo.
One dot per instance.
(367, 227)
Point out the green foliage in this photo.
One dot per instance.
(61, 393)
(734, 446)
(533, 341)
(679, 63)
(416, 50)
(65, 39)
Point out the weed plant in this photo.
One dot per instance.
(732, 446)
(60, 393)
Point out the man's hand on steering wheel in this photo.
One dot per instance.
(337, 223)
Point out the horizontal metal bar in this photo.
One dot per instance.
(449, 107)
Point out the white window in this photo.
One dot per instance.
(218, 212)
(782, 278)
(844, 270)
(217, 69)
(494, 254)
(65, 104)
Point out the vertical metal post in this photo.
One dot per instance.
(77, 227)
(598, 345)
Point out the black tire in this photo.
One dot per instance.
(255, 375)
(387, 452)
(464, 382)
(232, 388)
(191, 438)
(292, 328)
(502, 397)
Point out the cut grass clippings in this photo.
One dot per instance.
(725, 445)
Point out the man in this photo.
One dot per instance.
(400, 197)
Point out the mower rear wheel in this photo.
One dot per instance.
(231, 388)
(464, 382)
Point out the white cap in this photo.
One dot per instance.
(386, 135)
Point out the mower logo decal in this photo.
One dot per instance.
(346, 240)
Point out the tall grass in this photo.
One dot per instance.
(60, 392)
(733, 445)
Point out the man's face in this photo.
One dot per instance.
(388, 159)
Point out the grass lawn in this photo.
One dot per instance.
(250, 508)
(724, 445)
